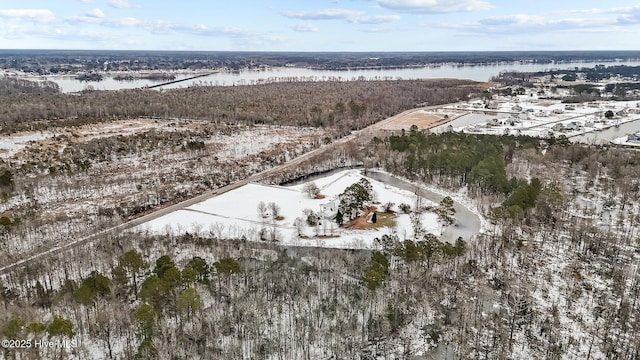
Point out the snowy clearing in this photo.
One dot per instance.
(235, 215)
(629, 140)
(10, 145)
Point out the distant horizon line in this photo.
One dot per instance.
(328, 51)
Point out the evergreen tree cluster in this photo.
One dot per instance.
(353, 198)
(377, 271)
(16, 328)
(477, 161)
(425, 251)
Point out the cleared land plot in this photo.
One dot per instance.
(422, 119)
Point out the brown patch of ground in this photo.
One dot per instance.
(326, 236)
(421, 119)
(386, 219)
(484, 85)
(61, 136)
(319, 197)
(361, 223)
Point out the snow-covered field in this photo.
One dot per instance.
(257, 139)
(235, 214)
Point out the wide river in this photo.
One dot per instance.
(250, 77)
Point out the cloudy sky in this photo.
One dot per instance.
(319, 25)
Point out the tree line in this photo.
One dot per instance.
(344, 105)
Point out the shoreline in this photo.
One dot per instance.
(433, 65)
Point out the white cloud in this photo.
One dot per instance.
(524, 23)
(96, 13)
(162, 27)
(114, 23)
(511, 20)
(305, 27)
(325, 14)
(92, 36)
(37, 15)
(204, 30)
(375, 19)
(595, 11)
(352, 16)
(128, 21)
(84, 20)
(52, 33)
(435, 6)
(242, 37)
(631, 17)
(625, 16)
(380, 30)
(120, 4)
(41, 24)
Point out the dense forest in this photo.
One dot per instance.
(344, 105)
(15, 86)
